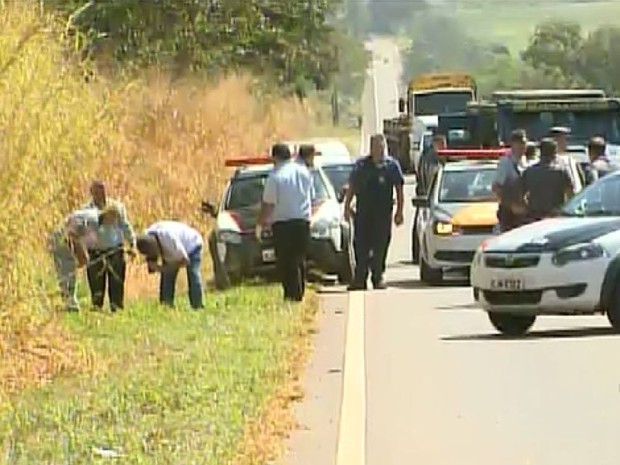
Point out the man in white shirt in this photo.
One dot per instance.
(177, 245)
(287, 201)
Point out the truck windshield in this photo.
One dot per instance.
(438, 103)
(583, 124)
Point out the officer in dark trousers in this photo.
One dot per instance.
(599, 165)
(547, 185)
(373, 182)
(507, 184)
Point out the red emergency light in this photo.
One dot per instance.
(246, 161)
(472, 154)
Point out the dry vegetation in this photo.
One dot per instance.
(159, 145)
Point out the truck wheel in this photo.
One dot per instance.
(346, 259)
(510, 324)
(428, 275)
(220, 276)
(613, 311)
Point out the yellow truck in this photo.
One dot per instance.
(428, 96)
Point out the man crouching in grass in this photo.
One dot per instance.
(177, 245)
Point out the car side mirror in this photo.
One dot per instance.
(420, 202)
(208, 208)
(401, 105)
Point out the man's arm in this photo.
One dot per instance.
(399, 182)
(569, 185)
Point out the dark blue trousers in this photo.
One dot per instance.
(372, 235)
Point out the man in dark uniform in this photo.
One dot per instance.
(599, 164)
(547, 184)
(373, 182)
(507, 183)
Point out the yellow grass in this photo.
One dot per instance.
(159, 146)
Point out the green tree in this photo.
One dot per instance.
(600, 59)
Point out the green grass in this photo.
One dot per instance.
(512, 22)
(173, 386)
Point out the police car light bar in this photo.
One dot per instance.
(472, 154)
(246, 161)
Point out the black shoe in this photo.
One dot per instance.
(379, 285)
(356, 287)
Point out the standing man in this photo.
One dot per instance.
(429, 163)
(306, 155)
(177, 246)
(547, 185)
(599, 165)
(373, 182)
(560, 134)
(287, 201)
(107, 266)
(507, 183)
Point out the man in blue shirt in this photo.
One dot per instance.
(287, 201)
(373, 182)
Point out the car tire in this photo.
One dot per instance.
(346, 259)
(510, 324)
(613, 310)
(428, 275)
(220, 276)
(415, 245)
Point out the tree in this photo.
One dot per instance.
(600, 59)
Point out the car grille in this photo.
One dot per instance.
(458, 256)
(512, 261)
(476, 230)
(513, 297)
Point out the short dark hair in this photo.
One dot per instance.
(306, 150)
(147, 246)
(518, 135)
(280, 152)
(548, 148)
(597, 144)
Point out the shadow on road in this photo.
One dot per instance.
(572, 333)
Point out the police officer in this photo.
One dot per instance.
(560, 134)
(547, 184)
(599, 164)
(373, 182)
(507, 183)
(287, 202)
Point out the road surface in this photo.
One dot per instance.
(428, 381)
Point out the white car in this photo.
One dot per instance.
(459, 213)
(560, 266)
(237, 254)
(325, 147)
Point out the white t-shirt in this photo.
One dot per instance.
(177, 239)
(290, 189)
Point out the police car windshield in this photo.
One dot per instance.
(599, 199)
(247, 191)
(472, 185)
(583, 124)
(338, 175)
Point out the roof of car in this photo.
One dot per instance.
(467, 165)
(333, 161)
(321, 144)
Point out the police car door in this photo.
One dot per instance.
(426, 223)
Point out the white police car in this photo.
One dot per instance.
(234, 249)
(325, 147)
(560, 266)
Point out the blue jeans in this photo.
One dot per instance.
(168, 282)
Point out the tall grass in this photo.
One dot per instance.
(159, 145)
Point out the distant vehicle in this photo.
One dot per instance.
(324, 146)
(428, 96)
(569, 265)
(235, 252)
(461, 211)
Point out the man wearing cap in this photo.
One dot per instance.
(169, 246)
(373, 182)
(547, 185)
(560, 134)
(507, 183)
(287, 204)
(599, 165)
(107, 266)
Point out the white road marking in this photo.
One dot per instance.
(351, 449)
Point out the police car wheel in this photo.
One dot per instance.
(510, 324)
(221, 279)
(613, 312)
(415, 247)
(346, 261)
(430, 275)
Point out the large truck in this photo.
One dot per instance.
(428, 96)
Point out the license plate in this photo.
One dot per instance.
(269, 255)
(507, 284)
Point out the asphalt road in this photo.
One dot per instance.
(427, 380)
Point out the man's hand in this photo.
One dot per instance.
(398, 218)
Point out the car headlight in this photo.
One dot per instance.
(229, 237)
(443, 228)
(579, 252)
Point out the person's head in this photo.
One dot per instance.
(98, 193)
(548, 149)
(109, 216)
(307, 153)
(377, 146)
(560, 134)
(530, 151)
(596, 148)
(439, 142)
(518, 142)
(280, 153)
(147, 246)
